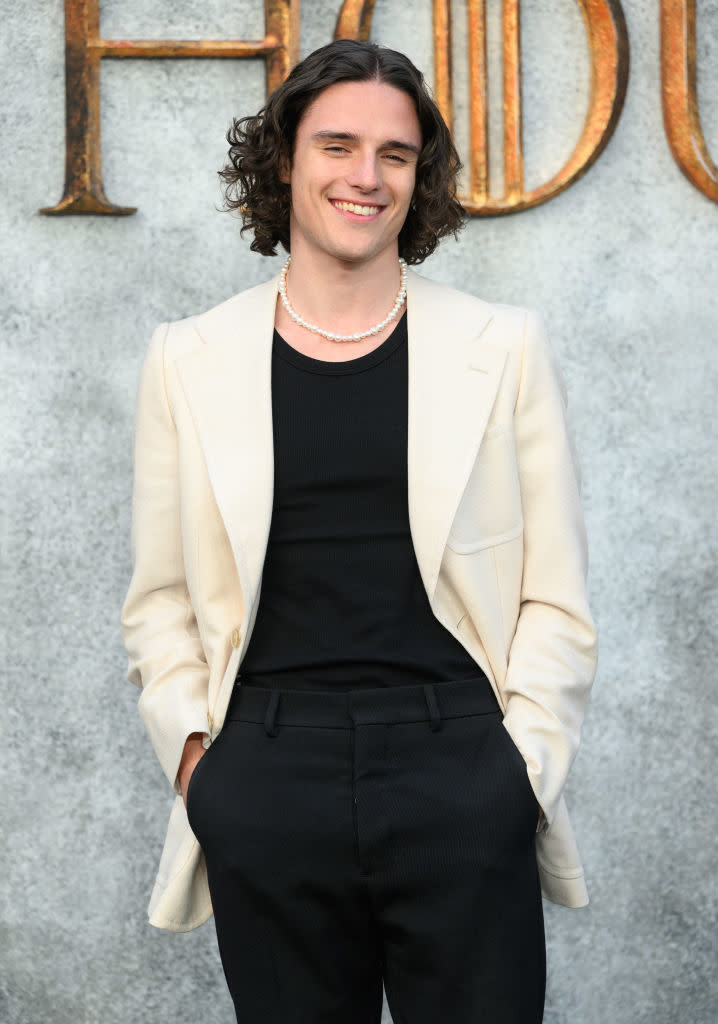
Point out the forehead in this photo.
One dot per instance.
(372, 110)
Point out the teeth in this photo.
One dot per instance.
(363, 211)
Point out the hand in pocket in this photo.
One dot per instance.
(191, 756)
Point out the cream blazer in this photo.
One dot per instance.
(495, 520)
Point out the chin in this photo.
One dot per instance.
(352, 254)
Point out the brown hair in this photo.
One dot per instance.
(260, 146)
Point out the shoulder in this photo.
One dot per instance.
(232, 317)
(511, 325)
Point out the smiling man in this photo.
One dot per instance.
(358, 607)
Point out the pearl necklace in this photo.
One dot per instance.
(343, 337)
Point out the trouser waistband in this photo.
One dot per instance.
(344, 709)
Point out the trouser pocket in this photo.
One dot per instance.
(194, 787)
(515, 766)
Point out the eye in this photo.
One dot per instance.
(334, 149)
(396, 158)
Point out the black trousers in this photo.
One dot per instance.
(382, 835)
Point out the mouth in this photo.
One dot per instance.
(364, 210)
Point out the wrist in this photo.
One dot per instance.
(193, 750)
(193, 739)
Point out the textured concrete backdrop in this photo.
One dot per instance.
(623, 266)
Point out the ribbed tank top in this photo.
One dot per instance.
(342, 604)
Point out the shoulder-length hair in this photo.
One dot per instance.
(260, 146)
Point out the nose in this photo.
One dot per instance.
(365, 171)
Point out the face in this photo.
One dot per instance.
(353, 171)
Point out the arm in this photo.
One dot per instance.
(166, 658)
(552, 660)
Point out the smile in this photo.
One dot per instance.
(356, 208)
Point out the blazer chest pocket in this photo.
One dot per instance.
(489, 511)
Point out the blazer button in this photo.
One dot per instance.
(236, 638)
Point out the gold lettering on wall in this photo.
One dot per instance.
(608, 47)
(679, 94)
(609, 65)
(354, 20)
(84, 49)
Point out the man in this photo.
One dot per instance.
(371, 753)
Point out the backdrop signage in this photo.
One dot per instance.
(609, 66)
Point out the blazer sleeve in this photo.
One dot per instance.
(166, 657)
(553, 654)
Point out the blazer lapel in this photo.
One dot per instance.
(453, 379)
(228, 388)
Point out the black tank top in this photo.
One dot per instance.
(342, 603)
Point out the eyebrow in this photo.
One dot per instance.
(352, 137)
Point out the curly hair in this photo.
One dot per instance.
(260, 146)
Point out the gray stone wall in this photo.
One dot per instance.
(623, 265)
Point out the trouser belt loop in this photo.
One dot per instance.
(432, 706)
(270, 726)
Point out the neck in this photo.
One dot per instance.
(339, 295)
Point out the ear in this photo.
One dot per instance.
(285, 169)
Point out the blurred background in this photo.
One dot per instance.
(624, 266)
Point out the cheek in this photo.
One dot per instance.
(300, 198)
(407, 191)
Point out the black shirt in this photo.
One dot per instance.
(342, 603)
